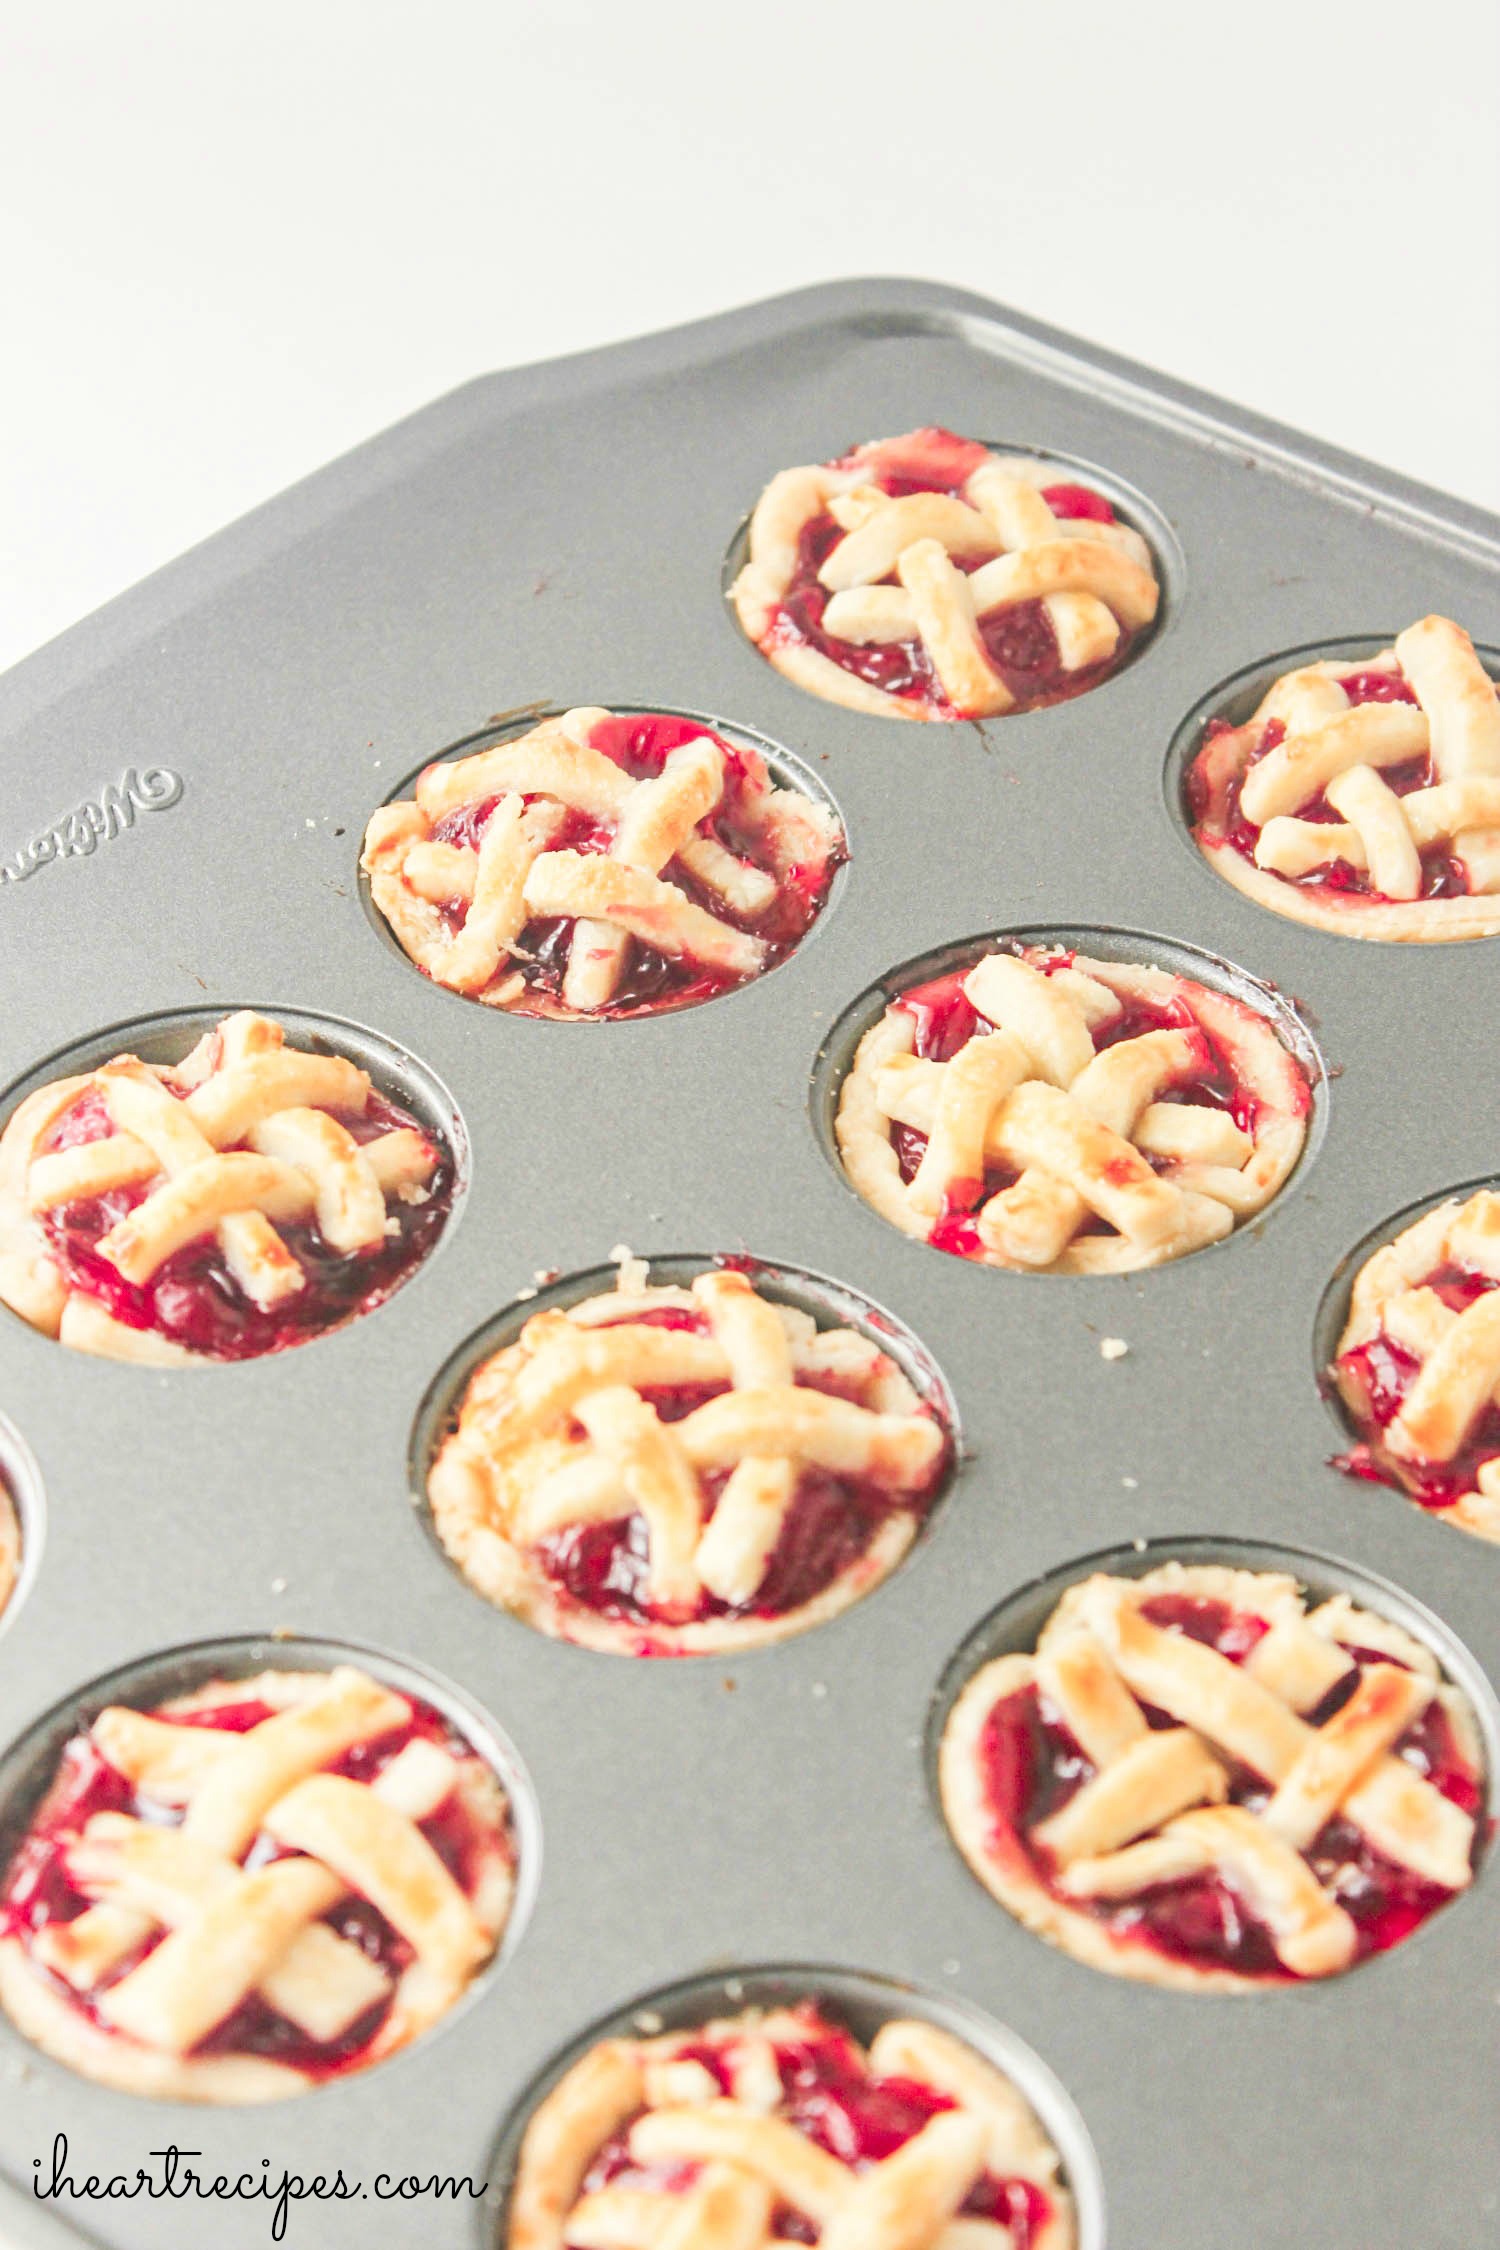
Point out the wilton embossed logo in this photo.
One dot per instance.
(94, 822)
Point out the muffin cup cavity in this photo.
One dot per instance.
(794, 864)
(993, 1665)
(476, 1501)
(864, 1144)
(248, 1301)
(30, 1768)
(859, 2001)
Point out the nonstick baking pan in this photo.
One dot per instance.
(186, 779)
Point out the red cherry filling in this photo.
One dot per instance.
(1019, 640)
(946, 1020)
(1373, 1381)
(37, 1890)
(1214, 803)
(1032, 1766)
(654, 982)
(194, 1300)
(830, 2094)
(829, 1526)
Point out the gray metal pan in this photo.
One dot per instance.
(560, 534)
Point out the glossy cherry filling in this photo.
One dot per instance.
(38, 1892)
(946, 1020)
(1019, 639)
(830, 2095)
(1214, 806)
(193, 1298)
(653, 982)
(829, 1527)
(1032, 1765)
(1373, 1380)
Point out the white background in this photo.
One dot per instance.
(238, 238)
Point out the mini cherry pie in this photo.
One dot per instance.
(254, 1888)
(677, 1471)
(1418, 1364)
(601, 865)
(1364, 797)
(244, 1199)
(1042, 1110)
(1202, 1779)
(924, 577)
(774, 2128)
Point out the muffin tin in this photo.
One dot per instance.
(558, 535)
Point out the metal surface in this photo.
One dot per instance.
(559, 533)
